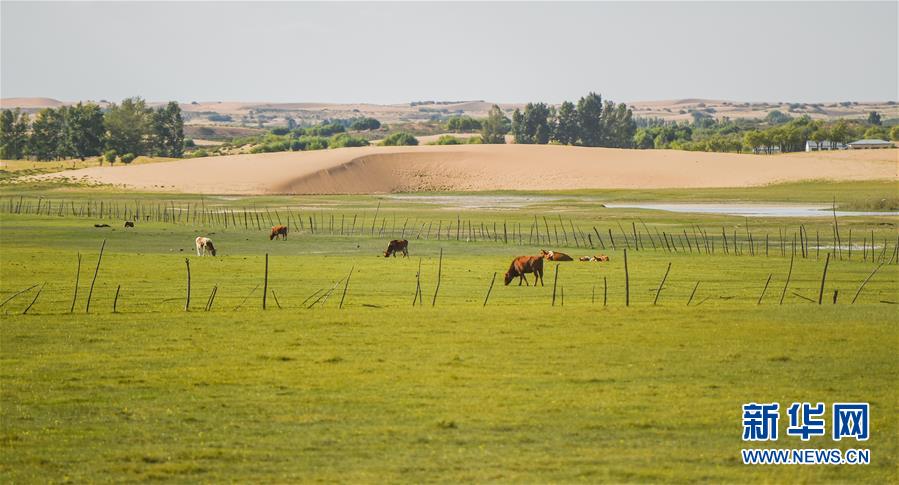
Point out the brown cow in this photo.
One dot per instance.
(555, 256)
(525, 264)
(129, 224)
(278, 230)
(397, 245)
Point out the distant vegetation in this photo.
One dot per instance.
(399, 139)
(452, 140)
(777, 132)
(591, 123)
(85, 130)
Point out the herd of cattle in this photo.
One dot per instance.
(521, 265)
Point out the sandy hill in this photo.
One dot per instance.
(30, 103)
(483, 167)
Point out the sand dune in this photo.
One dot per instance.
(483, 167)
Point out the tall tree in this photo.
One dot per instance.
(13, 134)
(874, 118)
(168, 131)
(127, 125)
(589, 110)
(495, 127)
(566, 131)
(47, 141)
(84, 130)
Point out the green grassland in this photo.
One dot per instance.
(586, 389)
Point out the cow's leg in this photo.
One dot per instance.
(405, 252)
(198, 249)
(525, 279)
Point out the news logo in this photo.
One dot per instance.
(806, 421)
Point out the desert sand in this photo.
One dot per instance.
(368, 170)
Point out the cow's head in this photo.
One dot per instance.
(272, 235)
(210, 247)
(508, 277)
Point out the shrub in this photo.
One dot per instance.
(219, 118)
(475, 140)
(324, 129)
(109, 156)
(447, 140)
(128, 158)
(199, 153)
(364, 124)
(400, 139)
(189, 143)
(280, 131)
(344, 140)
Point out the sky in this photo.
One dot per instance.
(400, 52)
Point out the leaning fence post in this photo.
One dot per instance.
(345, 286)
(823, 277)
(90, 293)
(439, 274)
(692, 293)
(39, 290)
(265, 285)
(627, 283)
(77, 277)
(789, 273)
(187, 303)
(865, 282)
(115, 301)
(555, 281)
(764, 289)
(605, 291)
(490, 288)
(659, 291)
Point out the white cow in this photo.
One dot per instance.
(204, 245)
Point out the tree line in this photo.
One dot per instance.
(125, 130)
(777, 132)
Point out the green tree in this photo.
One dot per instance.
(589, 110)
(168, 131)
(47, 135)
(13, 134)
(85, 133)
(495, 127)
(876, 133)
(874, 118)
(894, 133)
(365, 124)
(458, 124)
(776, 117)
(566, 127)
(128, 126)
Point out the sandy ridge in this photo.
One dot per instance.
(484, 167)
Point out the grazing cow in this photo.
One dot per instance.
(525, 264)
(585, 258)
(101, 225)
(129, 224)
(555, 256)
(278, 230)
(397, 245)
(204, 245)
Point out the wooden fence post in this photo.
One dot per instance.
(90, 293)
(823, 277)
(662, 284)
(187, 303)
(265, 283)
(627, 283)
(490, 288)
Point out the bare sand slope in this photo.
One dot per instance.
(484, 167)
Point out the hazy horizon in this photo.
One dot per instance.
(393, 53)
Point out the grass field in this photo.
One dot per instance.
(587, 389)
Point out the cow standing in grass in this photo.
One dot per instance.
(204, 245)
(397, 245)
(278, 230)
(525, 264)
